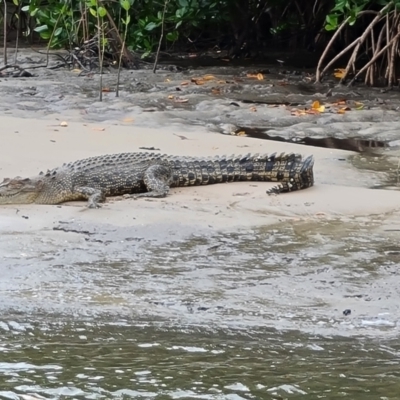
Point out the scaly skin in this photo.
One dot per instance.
(151, 175)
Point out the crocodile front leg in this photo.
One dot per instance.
(94, 196)
(156, 179)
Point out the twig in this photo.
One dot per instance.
(319, 74)
(5, 31)
(161, 37)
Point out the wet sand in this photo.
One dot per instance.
(35, 145)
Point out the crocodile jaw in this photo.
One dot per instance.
(20, 190)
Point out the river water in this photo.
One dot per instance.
(256, 314)
(123, 359)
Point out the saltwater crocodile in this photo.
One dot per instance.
(151, 175)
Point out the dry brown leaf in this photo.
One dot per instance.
(64, 124)
(253, 109)
(76, 70)
(240, 133)
(209, 77)
(167, 80)
(184, 83)
(198, 81)
(343, 110)
(106, 89)
(316, 106)
(215, 90)
(339, 73)
(298, 113)
(170, 97)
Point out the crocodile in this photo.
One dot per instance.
(151, 175)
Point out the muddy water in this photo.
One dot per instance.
(119, 359)
(215, 316)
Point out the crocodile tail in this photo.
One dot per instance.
(301, 176)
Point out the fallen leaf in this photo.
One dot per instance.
(106, 89)
(240, 133)
(64, 124)
(76, 70)
(167, 80)
(253, 109)
(258, 76)
(209, 77)
(184, 83)
(343, 110)
(215, 90)
(170, 97)
(316, 106)
(180, 100)
(198, 81)
(298, 113)
(359, 106)
(339, 73)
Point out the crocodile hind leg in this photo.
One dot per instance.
(156, 180)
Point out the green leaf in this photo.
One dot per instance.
(102, 12)
(16, 2)
(340, 5)
(183, 3)
(58, 31)
(25, 8)
(145, 54)
(150, 26)
(127, 20)
(125, 4)
(178, 24)
(93, 12)
(172, 36)
(332, 19)
(42, 28)
(330, 27)
(45, 35)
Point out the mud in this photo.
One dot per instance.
(226, 255)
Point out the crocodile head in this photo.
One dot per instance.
(20, 190)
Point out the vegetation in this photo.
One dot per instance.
(374, 48)
(362, 34)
